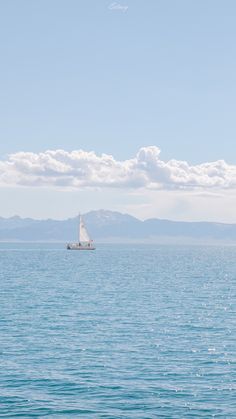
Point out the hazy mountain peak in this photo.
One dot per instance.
(107, 216)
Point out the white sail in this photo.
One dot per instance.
(83, 234)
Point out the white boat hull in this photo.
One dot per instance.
(77, 246)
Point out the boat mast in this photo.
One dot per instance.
(79, 218)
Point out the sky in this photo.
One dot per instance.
(128, 106)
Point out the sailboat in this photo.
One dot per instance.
(85, 242)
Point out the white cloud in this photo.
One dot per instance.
(80, 169)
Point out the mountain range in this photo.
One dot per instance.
(110, 226)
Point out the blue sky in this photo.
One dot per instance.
(85, 75)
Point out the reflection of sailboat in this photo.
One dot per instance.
(84, 243)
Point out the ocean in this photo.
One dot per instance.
(126, 331)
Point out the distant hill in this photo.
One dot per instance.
(110, 226)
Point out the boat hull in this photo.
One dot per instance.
(75, 246)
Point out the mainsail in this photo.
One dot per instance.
(83, 234)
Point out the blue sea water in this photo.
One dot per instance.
(127, 331)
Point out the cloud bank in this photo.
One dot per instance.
(81, 169)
